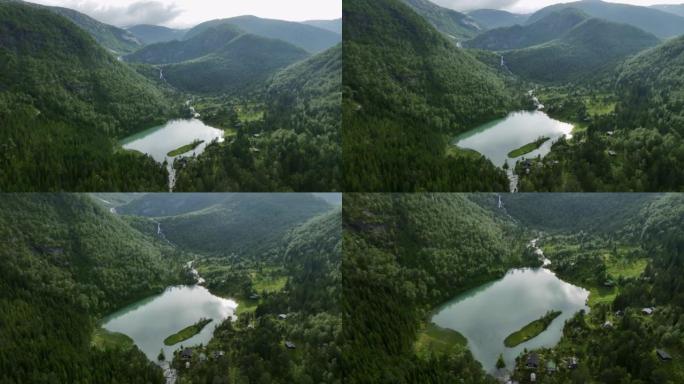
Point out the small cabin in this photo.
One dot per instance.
(647, 311)
(572, 363)
(282, 316)
(186, 354)
(532, 361)
(663, 356)
(254, 296)
(533, 377)
(619, 313)
(612, 153)
(551, 366)
(290, 345)
(607, 325)
(202, 357)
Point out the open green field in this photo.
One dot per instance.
(527, 148)
(437, 340)
(531, 330)
(187, 332)
(104, 340)
(185, 148)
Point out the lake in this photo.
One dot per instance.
(497, 138)
(488, 314)
(159, 141)
(150, 321)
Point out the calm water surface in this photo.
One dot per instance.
(488, 314)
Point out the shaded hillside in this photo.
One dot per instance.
(553, 26)
(650, 87)
(591, 49)
(310, 38)
(495, 18)
(298, 143)
(330, 25)
(677, 9)
(406, 91)
(454, 24)
(659, 23)
(403, 255)
(66, 263)
(152, 34)
(64, 100)
(244, 224)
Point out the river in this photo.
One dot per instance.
(159, 141)
(487, 314)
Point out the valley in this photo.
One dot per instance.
(595, 69)
(81, 98)
(456, 278)
(118, 288)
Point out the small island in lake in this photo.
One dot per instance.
(527, 148)
(187, 332)
(531, 330)
(185, 148)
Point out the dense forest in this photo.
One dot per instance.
(70, 259)
(407, 91)
(73, 88)
(406, 254)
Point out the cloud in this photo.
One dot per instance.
(140, 12)
(469, 5)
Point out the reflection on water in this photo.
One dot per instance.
(488, 314)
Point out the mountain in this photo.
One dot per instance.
(67, 100)
(591, 49)
(406, 91)
(65, 263)
(659, 23)
(330, 25)
(650, 89)
(310, 38)
(114, 39)
(151, 34)
(241, 223)
(219, 59)
(552, 26)
(453, 24)
(495, 18)
(677, 9)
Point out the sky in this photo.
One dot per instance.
(187, 13)
(527, 6)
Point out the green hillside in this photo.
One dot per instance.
(64, 102)
(330, 25)
(310, 38)
(551, 27)
(67, 263)
(495, 18)
(406, 91)
(152, 34)
(590, 49)
(454, 25)
(659, 23)
(403, 255)
(297, 143)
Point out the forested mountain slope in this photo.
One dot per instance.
(454, 25)
(661, 24)
(298, 142)
(548, 28)
(64, 101)
(406, 90)
(242, 223)
(330, 25)
(591, 49)
(151, 34)
(66, 262)
(677, 9)
(495, 18)
(404, 254)
(310, 38)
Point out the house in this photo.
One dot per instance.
(186, 354)
(619, 313)
(290, 345)
(532, 361)
(648, 311)
(610, 133)
(572, 363)
(551, 366)
(254, 296)
(187, 365)
(609, 283)
(202, 357)
(612, 153)
(282, 316)
(664, 356)
(607, 325)
(533, 377)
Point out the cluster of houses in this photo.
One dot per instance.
(187, 353)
